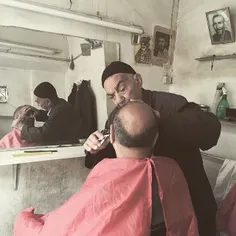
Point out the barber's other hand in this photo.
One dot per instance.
(92, 144)
(17, 124)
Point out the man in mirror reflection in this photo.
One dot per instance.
(57, 114)
(184, 130)
(25, 114)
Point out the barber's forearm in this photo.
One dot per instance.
(31, 134)
(41, 115)
(192, 127)
(210, 132)
(92, 159)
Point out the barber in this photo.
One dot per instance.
(58, 115)
(184, 130)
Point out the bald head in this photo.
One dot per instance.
(136, 125)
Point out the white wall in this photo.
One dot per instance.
(44, 185)
(194, 79)
(18, 84)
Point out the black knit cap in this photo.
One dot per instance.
(116, 67)
(45, 90)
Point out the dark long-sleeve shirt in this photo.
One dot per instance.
(59, 127)
(184, 130)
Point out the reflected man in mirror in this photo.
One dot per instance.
(221, 34)
(58, 115)
(25, 115)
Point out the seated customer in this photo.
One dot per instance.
(123, 196)
(25, 115)
(58, 115)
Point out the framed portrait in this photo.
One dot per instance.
(143, 51)
(163, 46)
(135, 39)
(220, 26)
(3, 94)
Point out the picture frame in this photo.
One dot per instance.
(135, 39)
(3, 94)
(220, 26)
(143, 50)
(163, 46)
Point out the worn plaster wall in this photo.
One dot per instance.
(194, 79)
(44, 185)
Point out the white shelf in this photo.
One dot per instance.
(6, 117)
(7, 158)
(228, 122)
(216, 57)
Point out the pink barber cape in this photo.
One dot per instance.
(116, 200)
(13, 140)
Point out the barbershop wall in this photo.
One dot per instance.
(43, 185)
(148, 14)
(20, 84)
(194, 79)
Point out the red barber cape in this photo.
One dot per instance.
(116, 200)
(13, 140)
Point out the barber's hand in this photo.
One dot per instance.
(92, 144)
(34, 109)
(17, 124)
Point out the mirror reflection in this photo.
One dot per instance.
(50, 88)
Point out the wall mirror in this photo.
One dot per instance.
(29, 57)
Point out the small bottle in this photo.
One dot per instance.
(223, 104)
(217, 97)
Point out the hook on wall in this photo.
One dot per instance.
(80, 81)
(212, 62)
(72, 64)
(70, 4)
